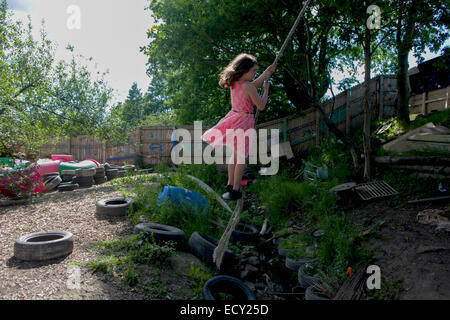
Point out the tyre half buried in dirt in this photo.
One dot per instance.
(226, 287)
(203, 247)
(113, 207)
(43, 245)
(160, 232)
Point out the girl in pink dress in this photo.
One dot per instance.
(238, 76)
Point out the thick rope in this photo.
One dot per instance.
(291, 32)
(223, 243)
(234, 219)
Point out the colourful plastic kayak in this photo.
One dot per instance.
(63, 157)
(48, 166)
(74, 165)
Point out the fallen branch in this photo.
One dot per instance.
(431, 161)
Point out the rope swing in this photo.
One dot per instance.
(235, 217)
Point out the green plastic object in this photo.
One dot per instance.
(7, 162)
(74, 165)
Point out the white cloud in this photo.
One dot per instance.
(19, 5)
(111, 33)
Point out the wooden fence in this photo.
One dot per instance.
(154, 144)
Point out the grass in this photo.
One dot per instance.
(121, 256)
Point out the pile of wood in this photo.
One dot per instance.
(426, 167)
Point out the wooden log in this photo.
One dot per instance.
(431, 175)
(433, 169)
(354, 287)
(413, 160)
(444, 198)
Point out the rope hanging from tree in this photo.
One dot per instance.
(289, 36)
(235, 217)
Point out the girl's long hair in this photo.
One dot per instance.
(236, 68)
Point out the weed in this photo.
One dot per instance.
(122, 256)
(199, 276)
(388, 290)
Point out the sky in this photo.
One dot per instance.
(111, 32)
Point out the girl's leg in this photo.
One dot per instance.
(231, 167)
(238, 171)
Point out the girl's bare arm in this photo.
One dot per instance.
(264, 76)
(260, 102)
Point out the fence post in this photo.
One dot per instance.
(424, 108)
(446, 100)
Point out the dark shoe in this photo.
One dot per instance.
(228, 188)
(233, 195)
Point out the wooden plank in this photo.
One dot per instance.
(354, 287)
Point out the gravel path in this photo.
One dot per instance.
(69, 211)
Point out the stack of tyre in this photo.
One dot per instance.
(100, 175)
(84, 177)
(115, 171)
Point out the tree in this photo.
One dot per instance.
(419, 25)
(38, 98)
(193, 40)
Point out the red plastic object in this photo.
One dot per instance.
(98, 164)
(49, 167)
(64, 157)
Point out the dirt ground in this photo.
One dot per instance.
(413, 259)
(48, 280)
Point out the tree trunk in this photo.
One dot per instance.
(367, 111)
(354, 150)
(403, 89)
(404, 46)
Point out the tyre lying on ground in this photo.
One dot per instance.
(203, 248)
(305, 280)
(295, 264)
(43, 245)
(311, 293)
(112, 173)
(160, 232)
(100, 180)
(226, 288)
(52, 183)
(245, 233)
(84, 182)
(67, 187)
(113, 207)
(88, 172)
(47, 176)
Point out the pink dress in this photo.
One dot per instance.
(240, 117)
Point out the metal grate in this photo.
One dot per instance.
(375, 189)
